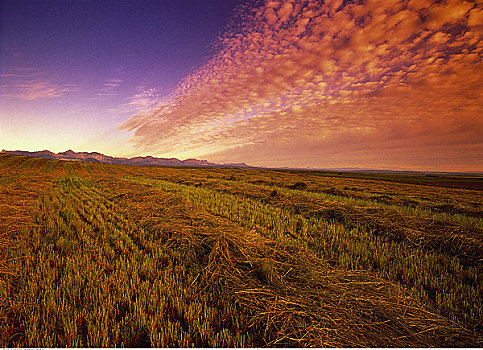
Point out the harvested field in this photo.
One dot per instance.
(98, 255)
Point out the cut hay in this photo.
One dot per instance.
(294, 298)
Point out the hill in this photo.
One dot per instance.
(99, 157)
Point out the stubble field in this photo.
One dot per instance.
(96, 255)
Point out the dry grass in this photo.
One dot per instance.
(131, 259)
(438, 277)
(18, 193)
(299, 301)
(290, 296)
(392, 219)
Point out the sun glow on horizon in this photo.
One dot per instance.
(390, 84)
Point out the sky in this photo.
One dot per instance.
(393, 84)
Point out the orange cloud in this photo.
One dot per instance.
(304, 80)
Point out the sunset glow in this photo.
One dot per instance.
(375, 84)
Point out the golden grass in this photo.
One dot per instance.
(291, 295)
(104, 255)
(438, 277)
(299, 301)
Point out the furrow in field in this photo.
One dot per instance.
(85, 280)
(115, 256)
(429, 198)
(452, 234)
(18, 195)
(302, 192)
(440, 280)
(276, 279)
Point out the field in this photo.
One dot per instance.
(96, 255)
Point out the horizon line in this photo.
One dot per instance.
(245, 165)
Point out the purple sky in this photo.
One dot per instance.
(71, 71)
(392, 84)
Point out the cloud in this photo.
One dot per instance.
(304, 79)
(145, 100)
(110, 87)
(31, 84)
(141, 103)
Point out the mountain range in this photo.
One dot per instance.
(102, 158)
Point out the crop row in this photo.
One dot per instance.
(441, 281)
(454, 234)
(108, 255)
(279, 283)
(91, 278)
(436, 199)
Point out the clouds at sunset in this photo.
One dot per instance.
(31, 84)
(308, 84)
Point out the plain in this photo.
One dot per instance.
(98, 255)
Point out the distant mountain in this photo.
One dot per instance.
(40, 154)
(102, 158)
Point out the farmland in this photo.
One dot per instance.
(96, 255)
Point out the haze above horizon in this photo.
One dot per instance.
(291, 83)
